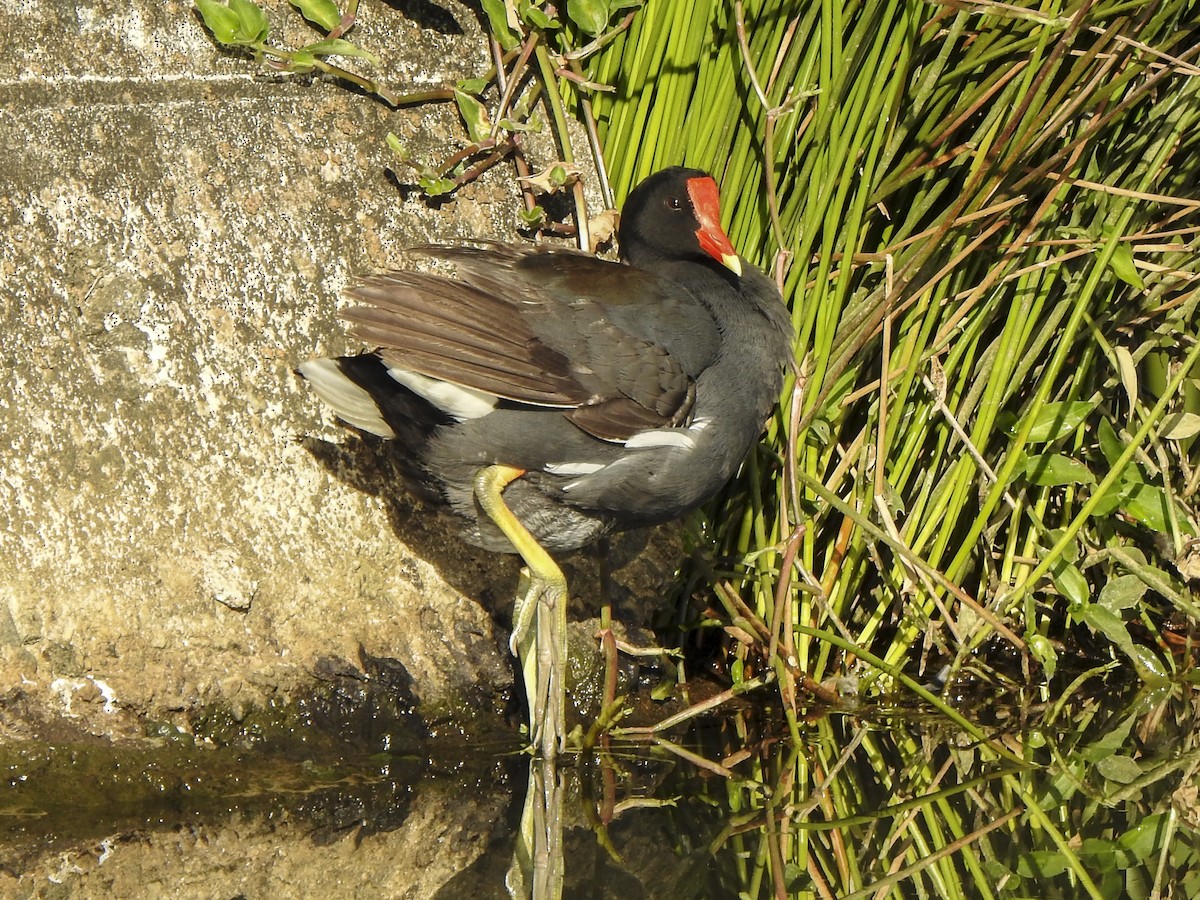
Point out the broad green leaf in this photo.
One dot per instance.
(590, 15)
(435, 186)
(1043, 651)
(1152, 665)
(1121, 769)
(1124, 268)
(323, 13)
(500, 24)
(1111, 626)
(533, 218)
(226, 25)
(1148, 504)
(1122, 592)
(1099, 853)
(1107, 505)
(1179, 426)
(1070, 583)
(340, 47)
(253, 20)
(1110, 742)
(1041, 864)
(475, 115)
(1144, 840)
(473, 85)
(1052, 469)
(219, 19)
(1057, 420)
(538, 19)
(1111, 444)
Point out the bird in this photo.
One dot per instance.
(549, 397)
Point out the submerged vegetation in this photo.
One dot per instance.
(985, 218)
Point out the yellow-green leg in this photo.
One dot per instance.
(539, 635)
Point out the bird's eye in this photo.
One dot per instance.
(674, 203)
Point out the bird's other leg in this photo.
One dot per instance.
(539, 635)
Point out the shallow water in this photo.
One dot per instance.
(879, 802)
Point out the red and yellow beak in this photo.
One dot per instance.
(707, 204)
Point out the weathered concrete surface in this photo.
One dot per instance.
(180, 522)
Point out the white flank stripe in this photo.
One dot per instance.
(351, 403)
(662, 437)
(452, 399)
(579, 468)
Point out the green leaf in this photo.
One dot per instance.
(1052, 469)
(1123, 266)
(340, 47)
(252, 19)
(1152, 667)
(1107, 505)
(1179, 426)
(499, 24)
(222, 21)
(301, 61)
(532, 125)
(1121, 769)
(1110, 742)
(436, 186)
(1071, 583)
(1041, 864)
(475, 115)
(1144, 840)
(1122, 592)
(538, 19)
(1128, 371)
(1057, 420)
(474, 85)
(533, 218)
(1111, 626)
(1099, 854)
(1110, 444)
(1043, 651)
(396, 147)
(591, 16)
(323, 13)
(1148, 504)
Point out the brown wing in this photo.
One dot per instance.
(617, 348)
(453, 332)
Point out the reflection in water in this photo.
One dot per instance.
(1098, 800)
(537, 866)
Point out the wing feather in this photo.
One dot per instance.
(616, 347)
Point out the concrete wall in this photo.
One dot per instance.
(181, 523)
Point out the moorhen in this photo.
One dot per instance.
(550, 397)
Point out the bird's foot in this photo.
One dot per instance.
(539, 641)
